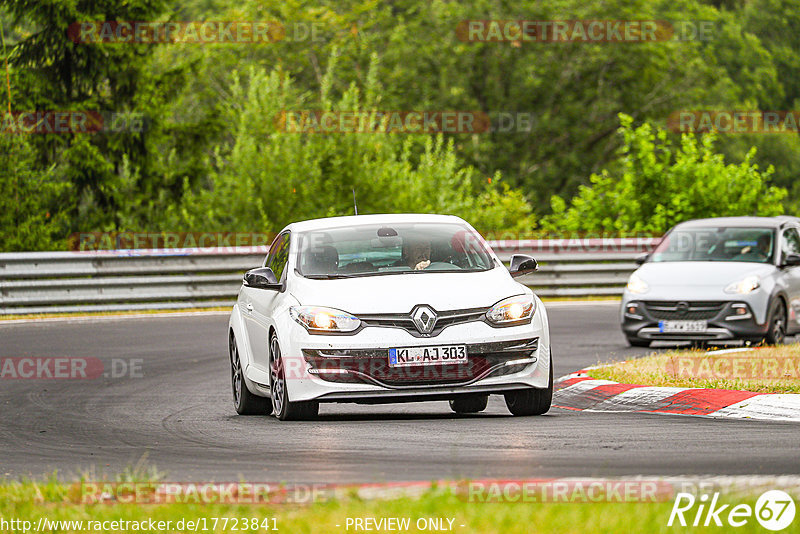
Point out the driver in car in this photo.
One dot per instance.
(417, 253)
(760, 252)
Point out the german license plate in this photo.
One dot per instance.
(438, 355)
(682, 326)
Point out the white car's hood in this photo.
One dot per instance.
(401, 292)
(700, 273)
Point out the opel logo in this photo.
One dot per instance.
(424, 318)
(682, 307)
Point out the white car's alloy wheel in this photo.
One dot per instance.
(278, 382)
(281, 406)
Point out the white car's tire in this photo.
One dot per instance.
(531, 401)
(284, 409)
(469, 403)
(244, 401)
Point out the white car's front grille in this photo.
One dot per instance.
(405, 321)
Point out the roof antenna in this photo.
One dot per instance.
(355, 206)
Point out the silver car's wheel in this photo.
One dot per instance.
(281, 406)
(244, 402)
(777, 324)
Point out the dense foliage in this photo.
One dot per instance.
(212, 158)
(657, 183)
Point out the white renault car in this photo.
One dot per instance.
(387, 308)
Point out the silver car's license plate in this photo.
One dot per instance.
(436, 355)
(682, 326)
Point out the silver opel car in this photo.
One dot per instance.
(731, 278)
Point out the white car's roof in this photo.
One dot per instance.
(358, 220)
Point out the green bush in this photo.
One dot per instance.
(265, 177)
(658, 183)
(29, 216)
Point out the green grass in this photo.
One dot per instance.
(763, 370)
(56, 501)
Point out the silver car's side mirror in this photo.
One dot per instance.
(261, 278)
(521, 265)
(791, 260)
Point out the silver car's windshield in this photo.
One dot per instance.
(717, 244)
(391, 249)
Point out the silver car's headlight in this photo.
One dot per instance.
(744, 286)
(637, 285)
(320, 320)
(513, 310)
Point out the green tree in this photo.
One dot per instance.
(267, 177)
(29, 219)
(657, 183)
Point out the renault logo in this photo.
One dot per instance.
(424, 319)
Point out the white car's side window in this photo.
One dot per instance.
(279, 256)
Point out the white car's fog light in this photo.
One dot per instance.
(319, 320)
(512, 310)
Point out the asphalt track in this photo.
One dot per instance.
(179, 417)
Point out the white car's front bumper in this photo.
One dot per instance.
(311, 362)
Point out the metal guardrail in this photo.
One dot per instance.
(42, 282)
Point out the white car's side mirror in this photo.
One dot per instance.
(521, 265)
(261, 278)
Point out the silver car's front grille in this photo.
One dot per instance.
(684, 310)
(444, 319)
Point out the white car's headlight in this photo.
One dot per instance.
(744, 286)
(319, 320)
(512, 310)
(637, 285)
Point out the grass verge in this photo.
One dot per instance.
(763, 370)
(29, 501)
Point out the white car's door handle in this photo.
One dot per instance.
(249, 307)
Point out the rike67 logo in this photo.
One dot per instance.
(774, 510)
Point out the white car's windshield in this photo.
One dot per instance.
(403, 248)
(716, 244)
